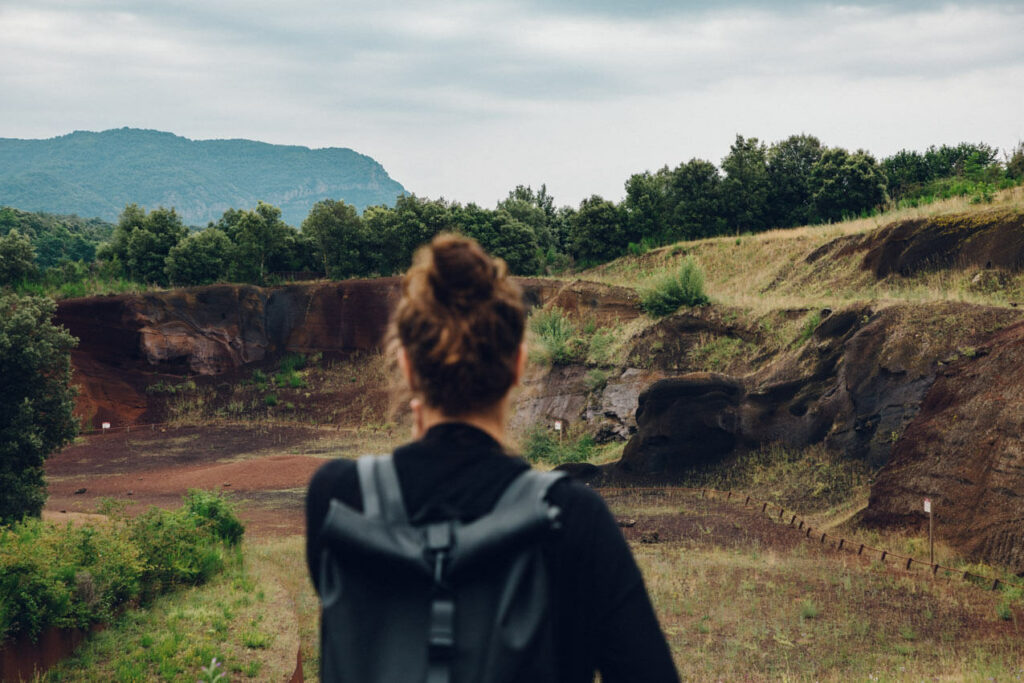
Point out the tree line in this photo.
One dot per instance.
(756, 187)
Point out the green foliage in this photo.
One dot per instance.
(555, 332)
(542, 444)
(340, 238)
(913, 175)
(810, 324)
(259, 237)
(141, 242)
(715, 355)
(166, 388)
(270, 400)
(595, 380)
(746, 185)
(56, 238)
(78, 575)
(846, 184)
(36, 400)
(1015, 162)
(685, 287)
(17, 258)
(199, 259)
(808, 609)
(217, 512)
(597, 231)
(562, 342)
(789, 177)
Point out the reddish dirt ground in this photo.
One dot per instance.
(254, 465)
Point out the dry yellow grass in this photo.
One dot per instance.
(767, 271)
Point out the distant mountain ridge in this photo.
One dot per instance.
(96, 174)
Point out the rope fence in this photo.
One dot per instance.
(840, 543)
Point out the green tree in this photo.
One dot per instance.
(337, 232)
(396, 233)
(1015, 162)
(696, 200)
(257, 235)
(846, 184)
(537, 210)
(596, 231)
(36, 400)
(745, 187)
(199, 259)
(142, 242)
(502, 236)
(648, 206)
(17, 258)
(789, 180)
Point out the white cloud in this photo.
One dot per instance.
(468, 99)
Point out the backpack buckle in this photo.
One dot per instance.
(441, 645)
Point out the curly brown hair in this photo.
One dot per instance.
(461, 322)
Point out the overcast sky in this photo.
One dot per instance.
(465, 100)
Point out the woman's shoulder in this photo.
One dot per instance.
(336, 478)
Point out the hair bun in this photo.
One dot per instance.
(462, 273)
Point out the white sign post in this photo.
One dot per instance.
(558, 428)
(106, 426)
(931, 539)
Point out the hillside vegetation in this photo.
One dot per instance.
(97, 174)
(772, 270)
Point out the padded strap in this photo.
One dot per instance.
(390, 490)
(382, 494)
(366, 469)
(529, 487)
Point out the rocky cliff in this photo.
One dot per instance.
(965, 451)
(125, 340)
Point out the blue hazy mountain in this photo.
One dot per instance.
(96, 174)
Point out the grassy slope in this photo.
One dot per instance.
(766, 271)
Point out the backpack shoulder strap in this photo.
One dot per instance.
(382, 494)
(520, 515)
(528, 489)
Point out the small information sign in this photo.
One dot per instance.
(106, 425)
(558, 425)
(928, 505)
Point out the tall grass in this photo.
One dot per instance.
(684, 287)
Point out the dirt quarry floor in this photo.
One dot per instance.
(265, 469)
(739, 595)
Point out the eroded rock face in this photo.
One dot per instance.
(684, 422)
(855, 385)
(965, 451)
(216, 329)
(985, 239)
(211, 330)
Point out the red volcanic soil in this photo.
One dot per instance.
(259, 468)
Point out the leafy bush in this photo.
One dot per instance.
(596, 380)
(270, 400)
(78, 575)
(685, 287)
(562, 342)
(218, 512)
(543, 445)
(555, 332)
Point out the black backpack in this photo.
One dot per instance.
(447, 602)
